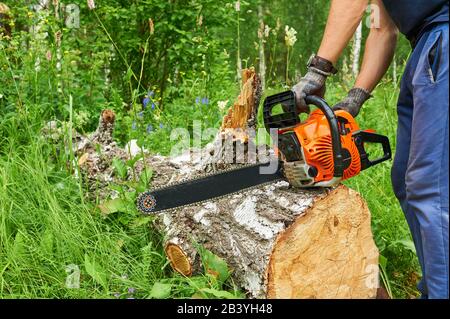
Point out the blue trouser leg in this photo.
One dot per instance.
(420, 170)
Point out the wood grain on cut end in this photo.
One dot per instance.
(327, 253)
(178, 259)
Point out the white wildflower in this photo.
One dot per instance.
(290, 38)
(238, 6)
(222, 104)
(91, 4)
(200, 20)
(48, 55)
(266, 31)
(133, 148)
(151, 26)
(261, 30)
(278, 27)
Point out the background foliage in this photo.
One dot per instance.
(159, 65)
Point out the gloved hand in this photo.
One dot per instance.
(313, 83)
(354, 101)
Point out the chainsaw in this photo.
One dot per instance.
(325, 149)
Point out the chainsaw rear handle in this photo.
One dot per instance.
(290, 118)
(362, 137)
(290, 115)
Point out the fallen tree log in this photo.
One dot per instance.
(280, 242)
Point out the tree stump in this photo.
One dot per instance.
(279, 241)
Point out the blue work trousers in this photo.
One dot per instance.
(420, 170)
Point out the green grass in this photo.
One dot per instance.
(48, 228)
(45, 228)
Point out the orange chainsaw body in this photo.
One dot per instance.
(315, 137)
(323, 150)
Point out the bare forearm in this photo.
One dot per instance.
(378, 54)
(343, 20)
(380, 48)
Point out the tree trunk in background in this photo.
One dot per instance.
(262, 56)
(58, 39)
(238, 58)
(356, 53)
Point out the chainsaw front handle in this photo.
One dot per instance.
(334, 128)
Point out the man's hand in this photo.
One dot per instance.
(313, 83)
(354, 101)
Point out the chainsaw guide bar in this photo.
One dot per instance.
(206, 187)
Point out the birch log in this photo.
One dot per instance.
(279, 241)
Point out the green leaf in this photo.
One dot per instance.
(132, 162)
(118, 188)
(383, 262)
(130, 196)
(145, 177)
(160, 290)
(120, 168)
(19, 245)
(142, 221)
(94, 270)
(128, 75)
(406, 244)
(215, 266)
(140, 141)
(113, 206)
(46, 243)
(409, 244)
(219, 293)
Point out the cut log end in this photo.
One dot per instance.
(178, 259)
(327, 253)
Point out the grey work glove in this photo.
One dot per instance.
(354, 101)
(313, 83)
